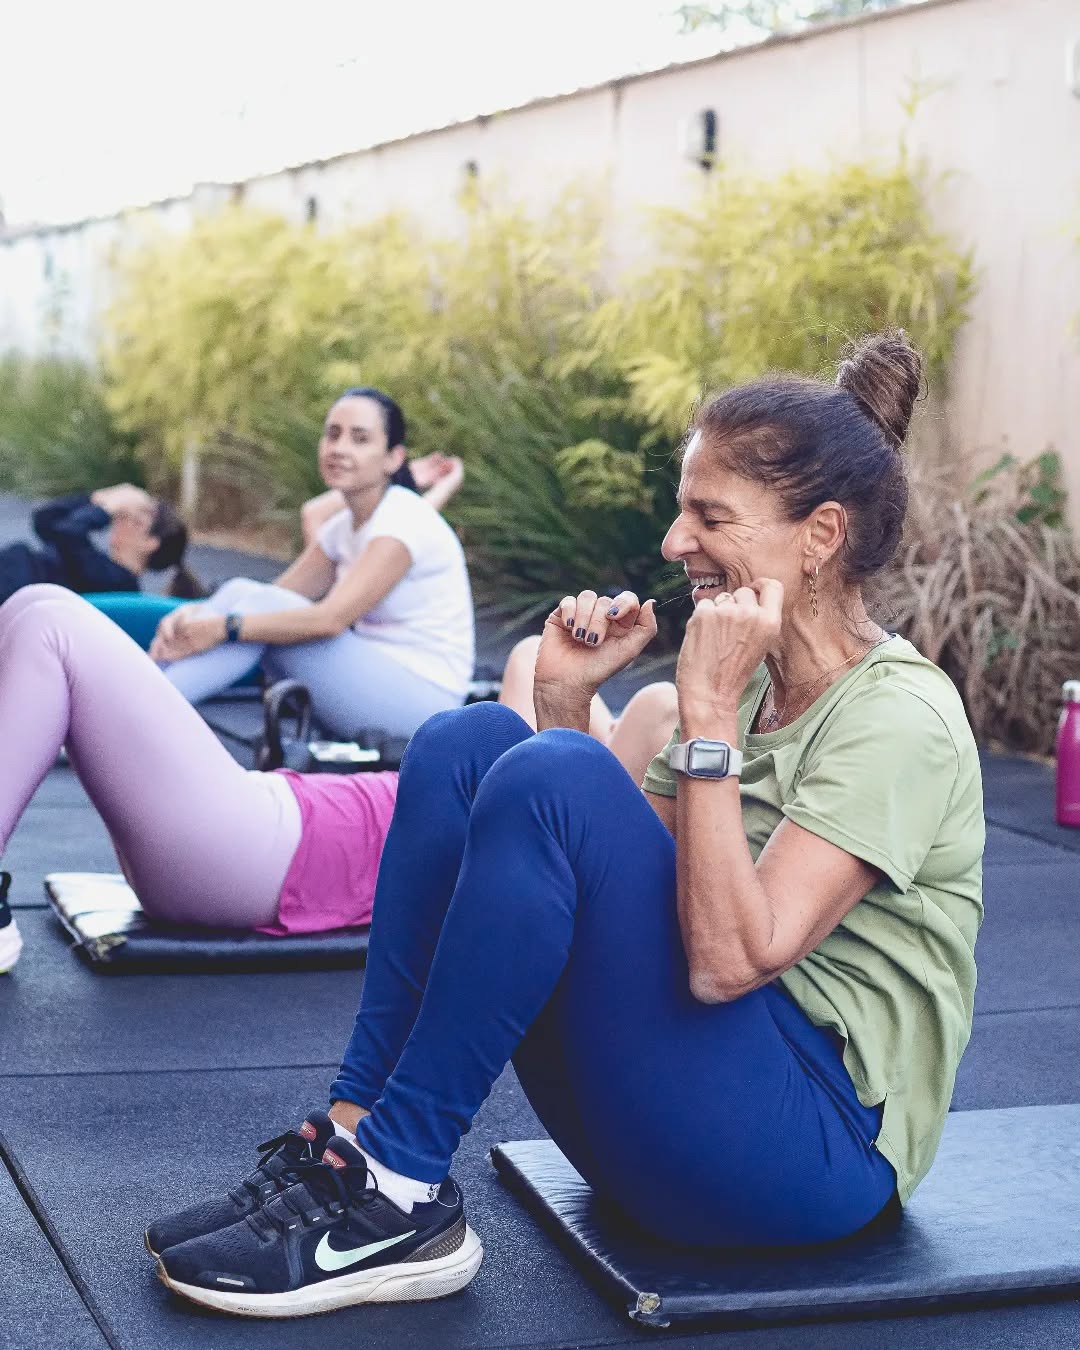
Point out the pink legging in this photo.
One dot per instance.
(200, 839)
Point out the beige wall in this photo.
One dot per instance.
(1003, 124)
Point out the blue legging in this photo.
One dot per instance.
(526, 907)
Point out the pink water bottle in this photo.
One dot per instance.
(1068, 756)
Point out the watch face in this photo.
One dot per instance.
(708, 759)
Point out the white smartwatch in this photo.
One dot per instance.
(701, 758)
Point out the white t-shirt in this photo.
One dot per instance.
(426, 621)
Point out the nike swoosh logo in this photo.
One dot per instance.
(326, 1258)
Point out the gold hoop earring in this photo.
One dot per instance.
(811, 580)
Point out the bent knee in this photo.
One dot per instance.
(522, 658)
(559, 757)
(659, 701)
(41, 590)
(44, 601)
(459, 729)
(239, 590)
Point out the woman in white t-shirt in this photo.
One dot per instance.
(375, 616)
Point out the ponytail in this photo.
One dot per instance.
(171, 532)
(403, 477)
(184, 584)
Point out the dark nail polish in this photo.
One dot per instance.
(580, 634)
(613, 612)
(569, 623)
(593, 639)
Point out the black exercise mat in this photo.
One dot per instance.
(1018, 793)
(995, 1221)
(40, 1308)
(104, 918)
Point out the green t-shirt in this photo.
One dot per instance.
(883, 765)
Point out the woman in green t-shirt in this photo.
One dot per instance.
(736, 1002)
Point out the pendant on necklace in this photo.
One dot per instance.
(769, 721)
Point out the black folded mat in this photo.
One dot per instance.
(995, 1221)
(103, 916)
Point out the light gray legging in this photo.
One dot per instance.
(353, 684)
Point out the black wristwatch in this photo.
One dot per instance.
(701, 758)
(232, 627)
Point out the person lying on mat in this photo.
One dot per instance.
(436, 477)
(200, 839)
(375, 616)
(736, 1000)
(146, 536)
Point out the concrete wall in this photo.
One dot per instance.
(1003, 122)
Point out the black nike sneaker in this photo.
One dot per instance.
(10, 939)
(277, 1169)
(329, 1241)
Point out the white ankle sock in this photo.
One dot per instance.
(403, 1191)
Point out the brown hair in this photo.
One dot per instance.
(814, 443)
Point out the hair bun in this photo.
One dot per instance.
(883, 374)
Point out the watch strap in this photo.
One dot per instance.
(232, 627)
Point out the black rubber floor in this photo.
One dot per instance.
(126, 1097)
(122, 1097)
(40, 1307)
(65, 1018)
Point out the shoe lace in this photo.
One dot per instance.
(256, 1183)
(319, 1191)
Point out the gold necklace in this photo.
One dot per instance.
(774, 719)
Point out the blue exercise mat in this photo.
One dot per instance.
(995, 1221)
(138, 613)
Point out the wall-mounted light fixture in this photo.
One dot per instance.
(698, 137)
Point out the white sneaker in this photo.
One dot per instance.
(10, 939)
(10, 946)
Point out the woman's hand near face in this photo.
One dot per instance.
(726, 640)
(438, 477)
(124, 499)
(585, 641)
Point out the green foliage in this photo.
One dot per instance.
(778, 275)
(247, 316)
(1035, 486)
(773, 16)
(508, 345)
(56, 434)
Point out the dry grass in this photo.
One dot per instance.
(995, 602)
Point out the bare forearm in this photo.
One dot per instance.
(287, 626)
(725, 915)
(561, 707)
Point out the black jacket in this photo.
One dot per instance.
(67, 558)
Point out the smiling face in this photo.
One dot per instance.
(731, 531)
(353, 453)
